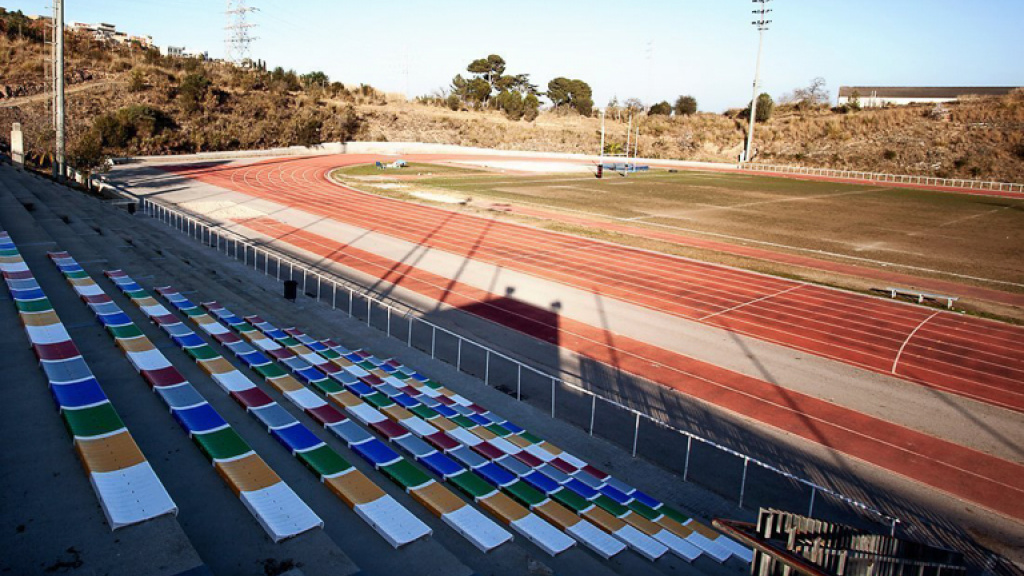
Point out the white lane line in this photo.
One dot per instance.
(779, 293)
(907, 341)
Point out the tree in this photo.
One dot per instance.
(531, 107)
(316, 78)
(192, 91)
(490, 69)
(575, 94)
(813, 95)
(633, 105)
(765, 107)
(662, 108)
(511, 103)
(686, 105)
(137, 82)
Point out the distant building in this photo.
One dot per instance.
(172, 51)
(876, 96)
(197, 54)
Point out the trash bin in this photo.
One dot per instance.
(600, 170)
(291, 290)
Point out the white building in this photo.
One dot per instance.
(172, 51)
(877, 96)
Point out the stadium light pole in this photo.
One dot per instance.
(58, 89)
(762, 22)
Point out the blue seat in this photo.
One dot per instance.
(310, 374)
(445, 411)
(479, 419)
(130, 287)
(360, 389)
(353, 357)
(345, 378)
(296, 437)
(240, 347)
(376, 452)
(514, 466)
(441, 465)
(30, 294)
(178, 329)
(350, 432)
(180, 396)
(552, 472)
(388, 390)
(118, 319)
(276, 334)
(200, 418)
(614, 494)
(495, 474)
(254, 358)
(70, 370)
(465, 455)
(512, 427)
(78, 394)
(69, 267)
(581, 489)
(295, 363)
(315, 346)
(274, 416)
(191, 340)
(405, 401)
(541, 482)
(415, 445)
(179, 303)
(645, 499)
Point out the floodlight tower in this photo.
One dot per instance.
(57, 64)
(237, 38)
(762, 22)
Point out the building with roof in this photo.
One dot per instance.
(877, 96)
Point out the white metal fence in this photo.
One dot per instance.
(888, 178)
(326, 287)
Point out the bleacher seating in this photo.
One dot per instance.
(464, 519)
(128, 489)
(408, 397)
(277, 508)
(389, 518)
(494, 497)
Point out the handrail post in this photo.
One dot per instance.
(686, 464)
(636, 433)
(810, 509)
(743, 483)
(593, 412)
(458, 354)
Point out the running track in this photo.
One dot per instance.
(971, 357)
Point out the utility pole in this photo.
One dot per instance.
(59, 171)
(602, 136)
(762, 22)
(629, 132)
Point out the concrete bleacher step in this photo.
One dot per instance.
(148, 236)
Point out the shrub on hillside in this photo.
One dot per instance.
(686, 105)
(662, 108)
(192, 91)
(118, 129)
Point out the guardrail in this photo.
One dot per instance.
(273, 262)
(907, 179)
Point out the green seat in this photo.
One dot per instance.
(644, 510)
(530, 438)
(330, 354)
(243, 327)
(289, 342)
(77, 274)
(610, 506)
(674, 514)
(204, 352)
(571, 500)
(9, 252)
(126, 332)
(194, 312)
(432, 384)
(525, 494)
(423, 412)
(379, 400)
(365, 365)
(137, 294)
(324, 460)
(41, 305)
(222, 444)
(328, 386)
(93, 421)
(499, 430)
(270, 371)
(463, 422)
(471, 484)
(405, 474)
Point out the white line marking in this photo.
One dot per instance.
(907, 341)
(779, 293)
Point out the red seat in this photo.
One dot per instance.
(389, 428)
(251, 398)
(22, 275)
(227, 338)
(163, 377)
(281, 353)
(372, 380)
(595, 472)
(326, 414)
(528, 459)
(441, 441)
(97, 299)
(563, 466)
(57, 351)
(166, 319)
(487, 450)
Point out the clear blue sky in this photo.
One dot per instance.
(651, 49)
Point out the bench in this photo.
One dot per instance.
(921, 296)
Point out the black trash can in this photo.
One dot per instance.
(291, 290)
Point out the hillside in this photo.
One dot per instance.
(132, 101)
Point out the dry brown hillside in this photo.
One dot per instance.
(136, 102)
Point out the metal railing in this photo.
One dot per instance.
(907, 179)
(328, 286)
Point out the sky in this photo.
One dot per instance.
(649, 49)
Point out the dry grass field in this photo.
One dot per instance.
(972, 239)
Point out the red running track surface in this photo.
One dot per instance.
(971, 357)
(992, 482)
